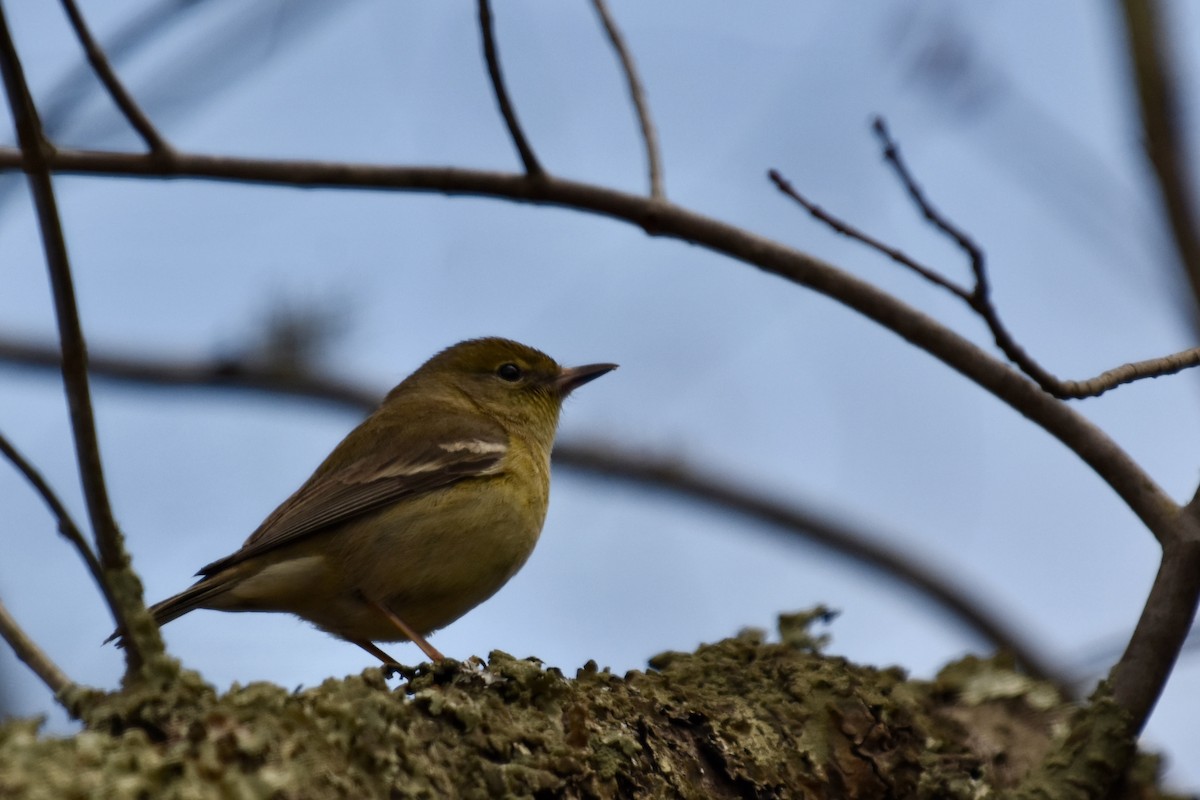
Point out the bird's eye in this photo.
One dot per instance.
(509, 372)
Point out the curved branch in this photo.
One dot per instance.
(532, 165)
(846, 229)
(32, 655)
(637, 94)
(1163, 122)
(1163, 627)
(66, 524)
(674, 477)
(979, 298)
(36, 152)
(663, 218)
(659, 474)
(108, 76)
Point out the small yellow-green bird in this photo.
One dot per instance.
(421, 513)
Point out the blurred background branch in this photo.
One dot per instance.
(1167, 142)
(656, 473)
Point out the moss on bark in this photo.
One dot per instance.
(739, 718)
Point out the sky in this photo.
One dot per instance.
(1017, 119)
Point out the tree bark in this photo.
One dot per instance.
(741, 718)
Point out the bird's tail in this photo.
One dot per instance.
(198, 595)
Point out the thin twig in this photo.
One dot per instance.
(979, 297)
(637, 94)
(66, 524)
(33, 656)
(532, 166)
(980, 301)
(108, 76)
(891, 154)
(36, 151)
(662, 474)
(846, 229)
(1164, 123)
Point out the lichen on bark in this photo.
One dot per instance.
(739, 718)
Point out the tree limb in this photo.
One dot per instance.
(1163, 123)
(66, 525)
(33, 656)
(665, 474)
(532, 166)
(979, 297)
(108, 76)
(109, 543)
(663, 218)
(637, 94)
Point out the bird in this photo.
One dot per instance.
(420, 514)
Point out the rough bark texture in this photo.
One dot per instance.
(740, 718)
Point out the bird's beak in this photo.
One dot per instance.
(571, 378)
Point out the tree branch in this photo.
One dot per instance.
(532, 166)
(980, 300)
(114, 559)
(32, 655)
(66, 525)
(1163, 123)
(674, 477)
(1162, 629)
(108, 76)
(220, 374)
(1166, 621)
(846, 229)
(663, 218)
(979, 297)
(638, 95)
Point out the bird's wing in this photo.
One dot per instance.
(404, 464)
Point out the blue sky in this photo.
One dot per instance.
(1021, 130)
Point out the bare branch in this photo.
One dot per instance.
(670, 475)
(218, 374)
(637, 94)
(846, 229)
(1137, 489)
(532, 166)
(979, 297)
(33, 656)
(980, 300)
(663, 218)
(891, 154)
(1140, 675)
(1163, 121)
(104, 71)
(66, 525)
(109, 543)
(662, 474)
(1162, 629)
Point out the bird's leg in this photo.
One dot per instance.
(416, 638)
(390, 665)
